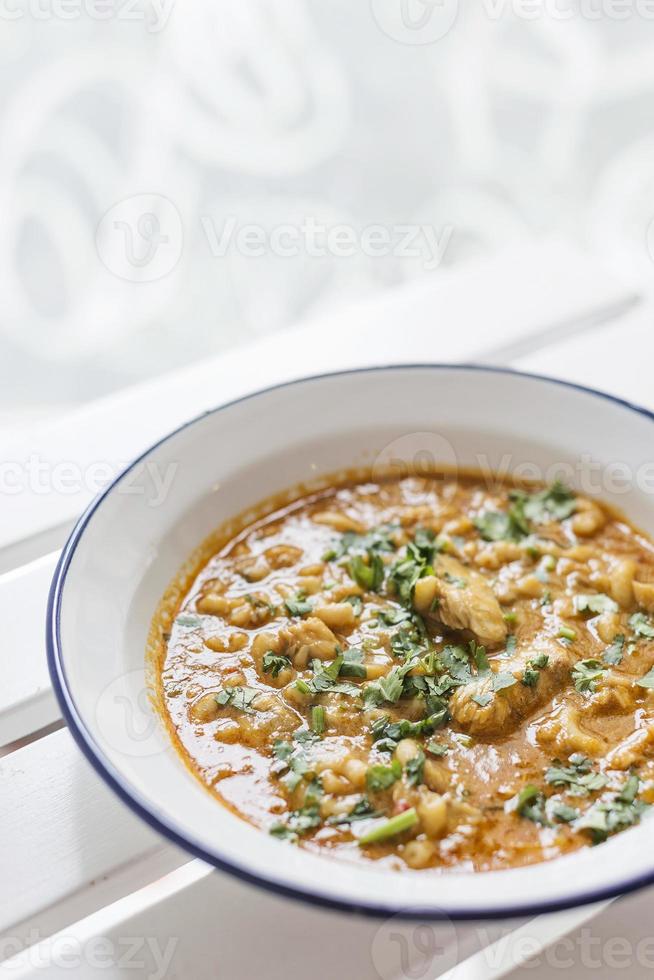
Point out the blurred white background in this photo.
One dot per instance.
(177, 178)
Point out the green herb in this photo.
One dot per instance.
(586, 674)
(641, 625)
(298, 606)
(415, 768)
(404, 574)
(577, 776)
(609, 817)
(437, 749)
(377, 539)
(386, 734)
(273, 663)
(511, 643)
(369, 575)
(556, 502)
(530, 804)
(388, 688)
(298, 822)
(390, 828)
(497, 526)
(188, 619)
(411, 639)
(325, 678)
(503, 679)
(302, 686)
(363, 810)
(533, 669)
(595, 603)
(647, 680)
(425, 544)
(509, 617)
(564, 813)
(379, 778)
(566, 633)
(482, 699)
(240, 698)
(356, 602)
(613, 654)
(393, 615)
(318, 719)
(352, 665)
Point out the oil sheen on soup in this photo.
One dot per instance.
(428, 673)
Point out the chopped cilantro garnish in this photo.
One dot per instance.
(599, 603)
(356, 602)
(605, 818)
(390, 828)
(414, 768)
(273, 663)
(586, 674)
(298, 606)
(188, 619)
(298, 822)
(352, 665)
(613, 654)
(641, 625)
(577, 776)
(564, 813)
(529, 803)
(379, 777)
(566, 633)
(436, 748)
(240, 698)
(369, 575)
(388, 688)
(647, 680)
(325, 678)
(318, 719)
(363, 810)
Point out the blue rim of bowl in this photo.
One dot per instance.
(166, 826)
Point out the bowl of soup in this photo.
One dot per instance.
(386, 643)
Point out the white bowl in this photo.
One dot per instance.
(132, 541)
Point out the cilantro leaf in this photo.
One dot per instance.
(363, 810)
(352, 665)
(368, 575)
(530, 804)
(586, 674)
(599, 603)
(641, 625)
(577, 776)
(298, 606)
(274, 663)
(380, 778)
(298, 823)
(613, 654)
(240, 698)
(647, 680)
(414, 769)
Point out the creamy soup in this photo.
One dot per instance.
(428, 673)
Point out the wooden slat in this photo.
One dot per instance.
(202, 925)
(27, 702)
(64, 832)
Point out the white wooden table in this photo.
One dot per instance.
(87, 889)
